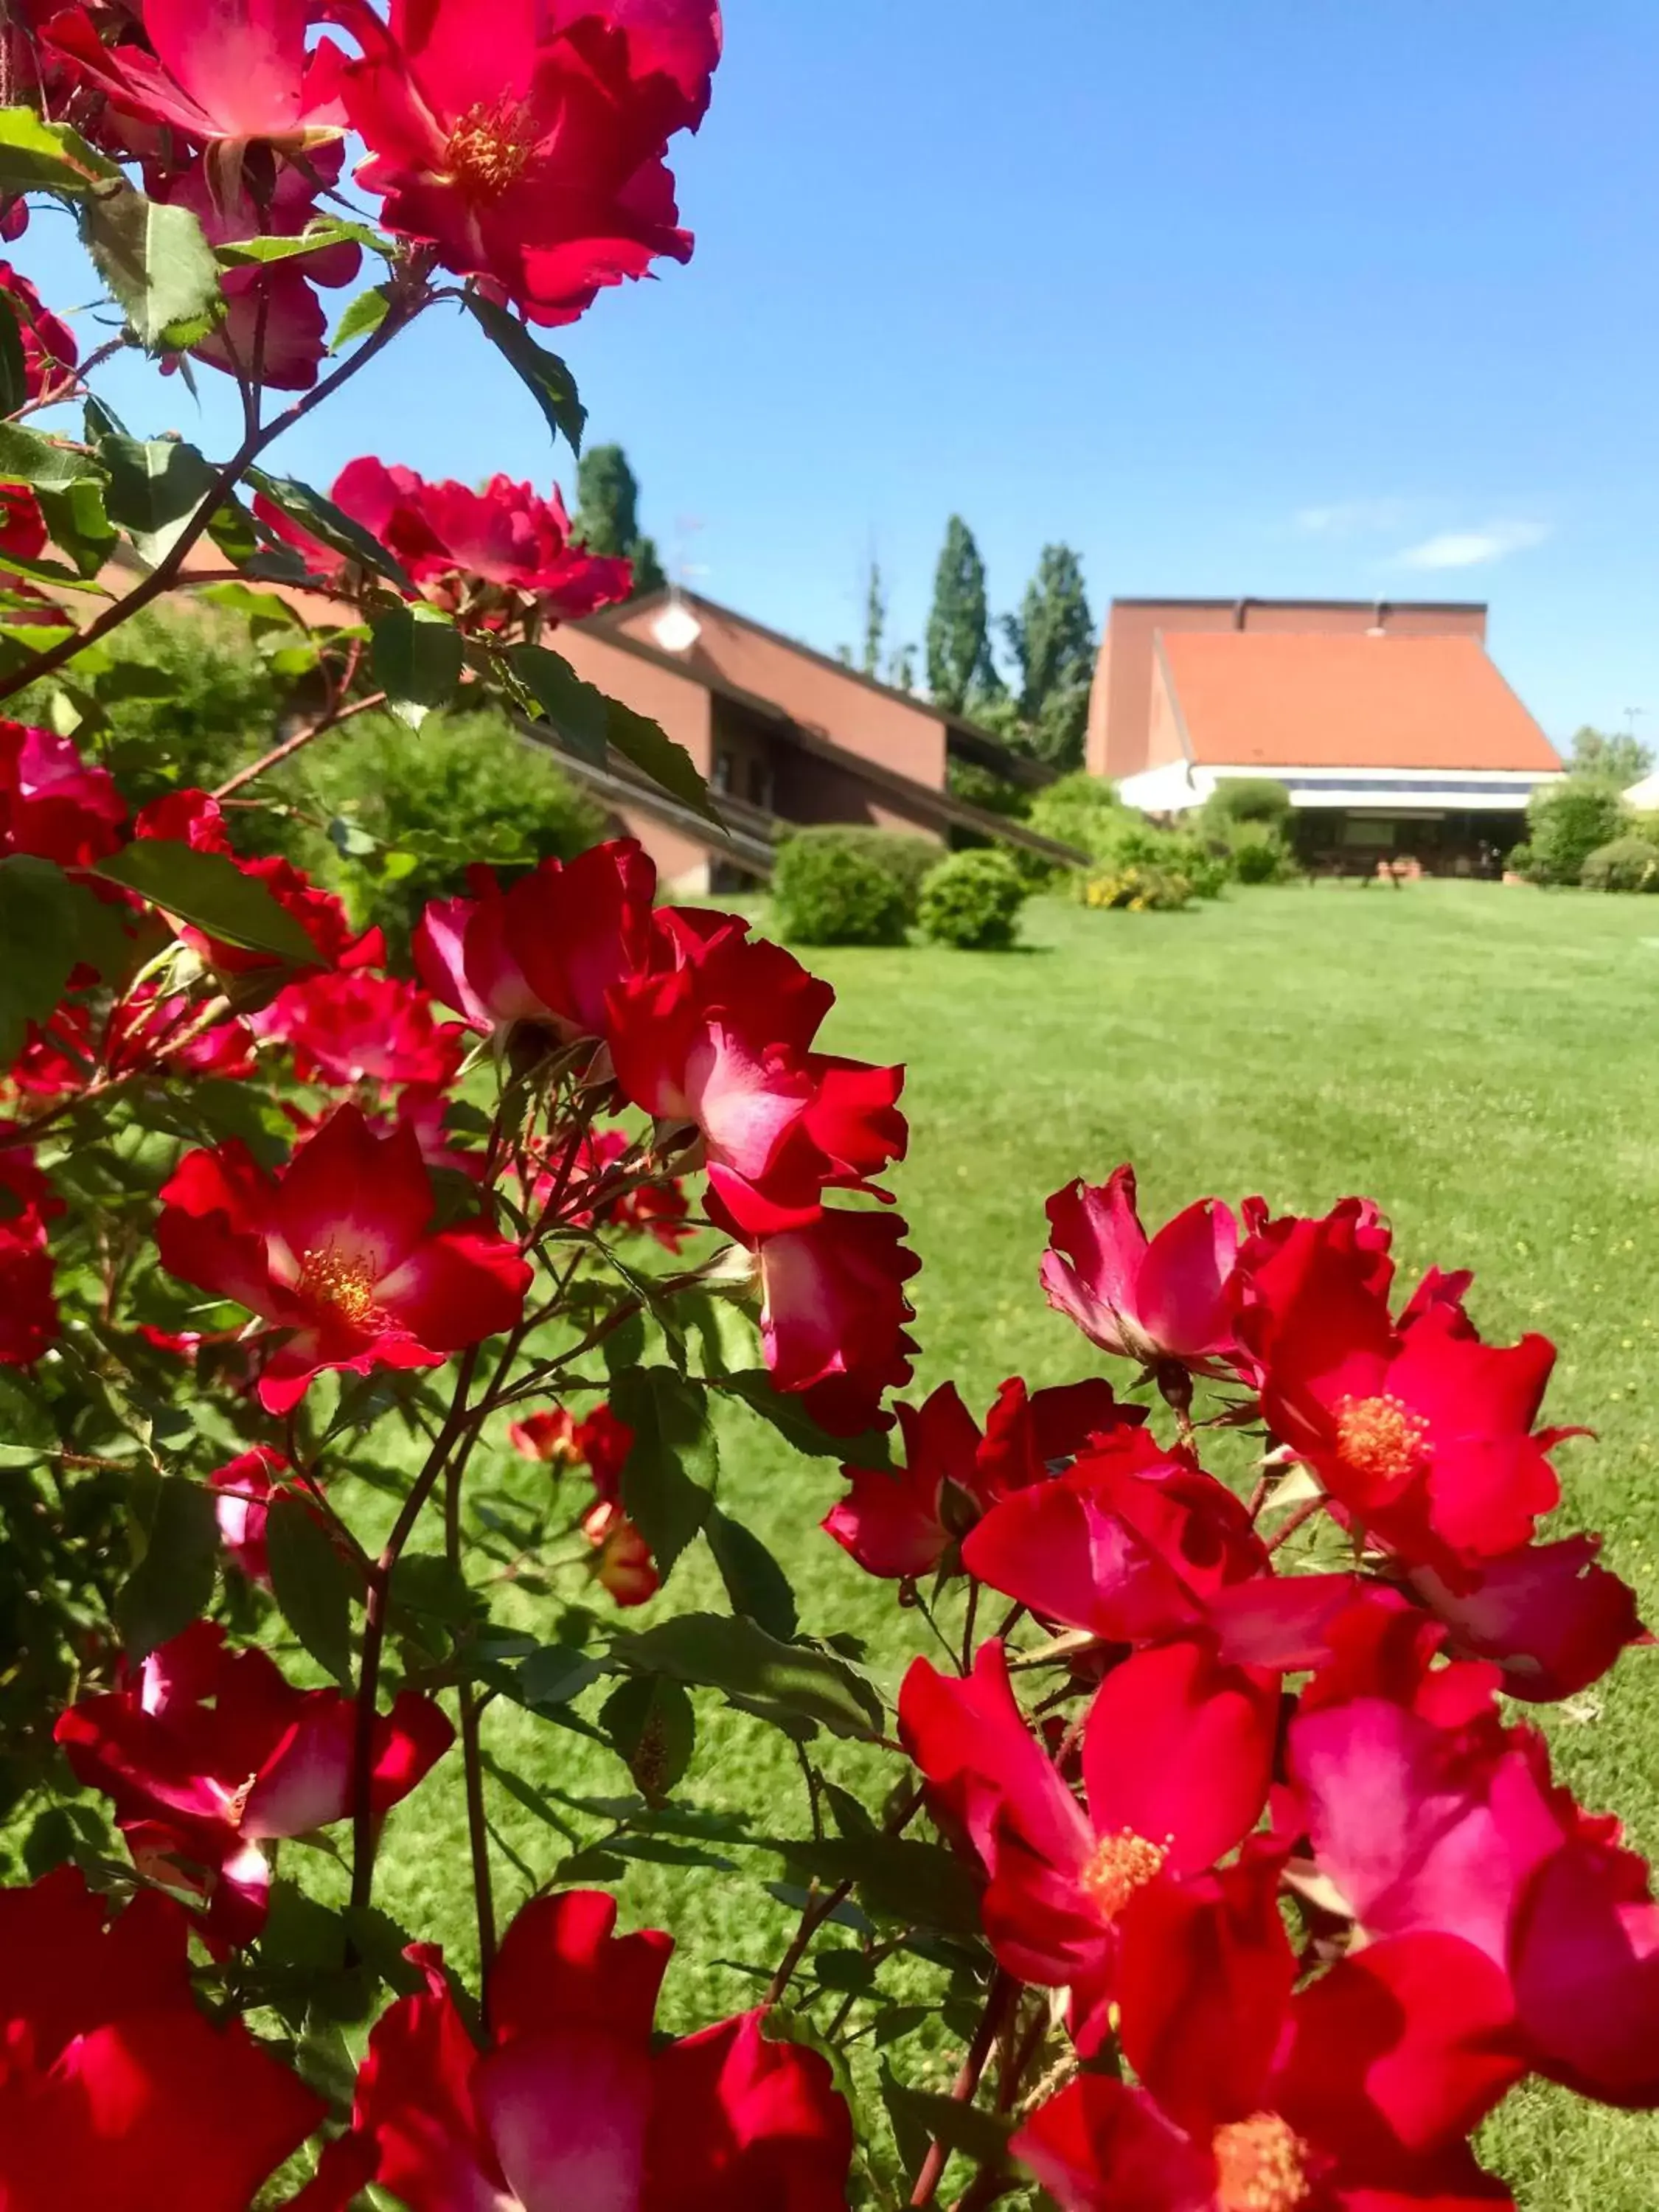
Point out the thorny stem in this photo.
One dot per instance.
(289, 746)
(1001, 1994)
(1295, 1520)
(166, 572)
(819, 1908)
(380, 1587)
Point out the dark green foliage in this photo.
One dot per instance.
(1259, 854)
(958, 648)
(1521, 860)
(1250, 799)
(830, 888)
(1567, 822)
(1627, 863)
(1080, 810)
(411, 808)
(1618, 756)
(972, 900)
(1052, 640)
(608, 515)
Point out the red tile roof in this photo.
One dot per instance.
(1302, 699)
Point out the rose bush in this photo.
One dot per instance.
(1200, 1841)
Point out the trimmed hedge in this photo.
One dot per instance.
(1624, 864)
(829, 887)
(972, 900)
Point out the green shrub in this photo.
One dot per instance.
(1626, 864)
(983, 787)
(972, 900)
(1080, 810)
(1259, 854)
(1136, 885)
(1566, 823)
(409, 810)
(828, 888)
(1521, 860)
(1256, 798)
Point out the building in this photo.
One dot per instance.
(782, 735)
(1390, 726)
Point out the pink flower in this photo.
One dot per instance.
(1177, 1754)
(1422, 1435)
(531, 154)
(833, 1311)
(211, 1754)
(574, 929)
(219, 69)
(1162, 1302)
(600, 1443)
(1548, 1614)
(623, 1564)
(52, 803)
(904, 1522)
(28, 1309)
(111, 2076)
(49, 347)
(337, 1250)
(1135, 1545)
(349, 1027)
(1355, 2092)
(243, 1489)
(568, 2102)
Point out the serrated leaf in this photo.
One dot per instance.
(14, 373)
(171, 1585)
(655, 754)
(556, 1673)
(577, 710)
(321, 519)
(896, 1877)
(30, 457)
(791, 1684)
(654, 1731)
(416, 661)
(977, 2133)
(317, 237)
(157, 262)
(755, 1582)
(668, 1477)
(36, 156)
(208, 890)
(549, 382)
(312, 1584)
(39, 933)
(786, 1414)
(80, 526)
(153, 482)
(364, 315)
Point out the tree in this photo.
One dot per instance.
(608, 515)
(875, 620)
(1618, 756)
(1052, 640)
(959, 663)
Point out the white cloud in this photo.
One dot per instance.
(1353, 517)
(1470, 548)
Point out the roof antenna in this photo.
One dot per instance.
(676, 628)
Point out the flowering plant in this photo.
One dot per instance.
(1197, 1860)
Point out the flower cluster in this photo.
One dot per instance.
(1264, 1730)
(530, 157)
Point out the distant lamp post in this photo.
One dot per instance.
(675, 629)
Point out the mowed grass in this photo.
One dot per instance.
(1482, 1060)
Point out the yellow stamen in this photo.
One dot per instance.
(1259, 2166)
(1119, 1867)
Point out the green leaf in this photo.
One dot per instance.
(653, 1730)
(80, 526)
(796, 1425)
(317, 235)
(366, 314)
(668, 1479)
(154, 484)
(652, 750)
(26, 1430)
(550, 383)
(209, 891)
(755, 1582)
(30, 457)
(171, 1585)
(416, 658)
(50, 1842)
(37, 156)
(978, 2135)
(897, 1878)
(157, 262)
(312, 1584)
(321, 519)
(37, 930)
(576, 710)
(794, 1686)
(556, 1673)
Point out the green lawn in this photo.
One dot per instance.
(1482, 1060)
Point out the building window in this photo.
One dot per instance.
(759, 794)
(722, 776)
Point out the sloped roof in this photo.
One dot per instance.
(1302, 698)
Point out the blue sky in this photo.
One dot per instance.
(1268, 296)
